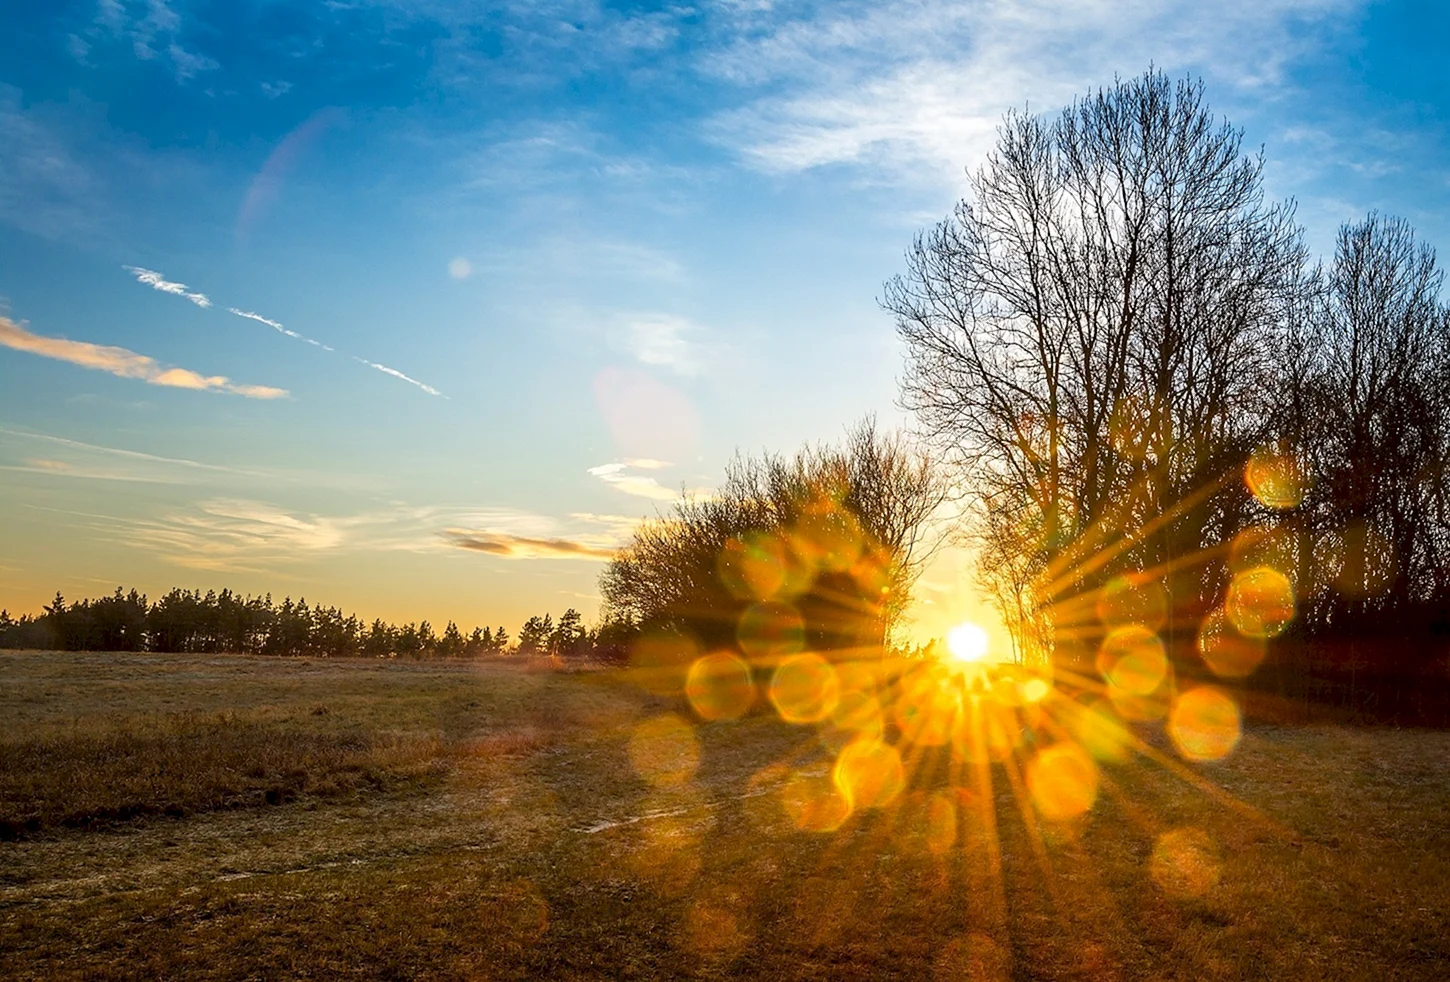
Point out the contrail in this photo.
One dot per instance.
(397, 374)
(276, 326)
(156, 281)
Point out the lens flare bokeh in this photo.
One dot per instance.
(921, 746)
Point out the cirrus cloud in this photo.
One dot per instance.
(666, 341)
(911, 90)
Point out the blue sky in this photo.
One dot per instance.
(606, 244)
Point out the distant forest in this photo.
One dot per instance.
(194, 622)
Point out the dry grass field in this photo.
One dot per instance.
(241, 818)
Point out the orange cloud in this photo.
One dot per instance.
(125, 363)
(525, 547)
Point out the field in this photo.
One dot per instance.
(230, 817)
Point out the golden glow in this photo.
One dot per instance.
(1063, 781)
(1275, 546)
(804, 689)
(989, 732)
(869, 774)
(941, 822)
(753, 568)
(668, 856)
(974, 957)
(719, 686)
(659, 661)
(857, 712)
(1276, 479)
(1139, 709)
(1035, 690)
(1132, 660)
(967, 642)
(893, 728)
(928, 708)
(1133, 600)
(1098, 728)
(1225, 651)
(1205, 724)
(1260, 602)
(813, 803)
(828, 537)
(763, 566)
(769, 629)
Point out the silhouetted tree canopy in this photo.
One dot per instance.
(824, 544)
(1115, 335)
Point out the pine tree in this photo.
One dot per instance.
(569, 636)
(451, 644)
(536, 635)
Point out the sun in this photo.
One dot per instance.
(967, 642)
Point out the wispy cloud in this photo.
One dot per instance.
(231, 535)
(64, 458)
(912, 90)
(509, 546)
(238, 534)
(666, 341)
(397, 374)
(125, 363)
(156, 281)
(618, 527)
(118, 452)
(61, 468)
(617, 476)
(277, 326)
(155, 34)
(242, 535)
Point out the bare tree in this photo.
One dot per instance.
(1372, 415)
(1088, 337)
(838, 534)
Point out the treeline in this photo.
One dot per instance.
(1134, 363)
(190, 621)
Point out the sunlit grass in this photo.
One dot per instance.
(588, 827)
(101, 774)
